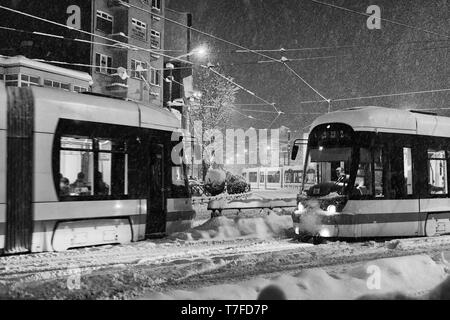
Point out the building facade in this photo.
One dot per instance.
(139, 26)
(118, 42)
(23, 72)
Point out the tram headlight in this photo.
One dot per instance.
(331, 209)
(325, 233)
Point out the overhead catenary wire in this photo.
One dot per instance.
(222, 40)
(131, 47)
(382, 19)
(383, 45)
(231, 106)
(211, 68)
(359, 98)
(125, 45)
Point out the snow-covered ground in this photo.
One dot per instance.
(232, 257)
(225, 268)
(413, 276)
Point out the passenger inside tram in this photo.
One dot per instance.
(341, 176)
(101, 187)
(64, 188)
(80, 187)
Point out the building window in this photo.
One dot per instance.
(27, 81)
(138, 29)
(103, 63)
(155, 39)
(104, 22)
(1, 76)
(154, 77)
(138, 74)
(156, 4)
(56, 84)
(12, 80)
(437, 172)
(79, 89)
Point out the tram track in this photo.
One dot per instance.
(159, 266)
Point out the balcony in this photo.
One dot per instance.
(118, 4)
(117, 87)
(122, 37)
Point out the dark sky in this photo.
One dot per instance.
(391, 60)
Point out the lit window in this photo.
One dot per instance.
(103, 63)
(437, 172)
(92, 167)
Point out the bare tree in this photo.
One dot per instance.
(214, 109)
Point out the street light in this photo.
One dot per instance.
(201, 52)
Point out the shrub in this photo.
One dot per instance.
(236, 184)
(215, 181)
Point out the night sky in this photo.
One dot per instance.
(394, 59)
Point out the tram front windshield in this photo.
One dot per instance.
(329, 158)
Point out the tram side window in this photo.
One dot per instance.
(437, 172)
(93, 167)
(378, 172)
(399, 172)
(76, 166)
(363, 181)
(252, 177)
(369, 176)
(273, 177)
(288, 176)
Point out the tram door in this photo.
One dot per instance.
(156, 215)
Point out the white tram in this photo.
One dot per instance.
(79, 170)
(272, 178)
(396, 180)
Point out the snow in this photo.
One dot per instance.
(267, 226)
(412, 275)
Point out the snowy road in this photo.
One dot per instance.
(141, 270)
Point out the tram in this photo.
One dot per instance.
(273, 178)
(79, 170)
(381, 172)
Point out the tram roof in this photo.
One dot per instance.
(53, 103)
(380, 119)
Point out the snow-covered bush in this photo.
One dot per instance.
(215, 181)
(236, 184)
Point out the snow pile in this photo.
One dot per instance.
(414, 276)
(218, 228)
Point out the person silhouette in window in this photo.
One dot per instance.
(79, 186)
(341, 176)
(64, 188)
(101, 188)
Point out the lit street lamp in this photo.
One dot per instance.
(201, 52)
